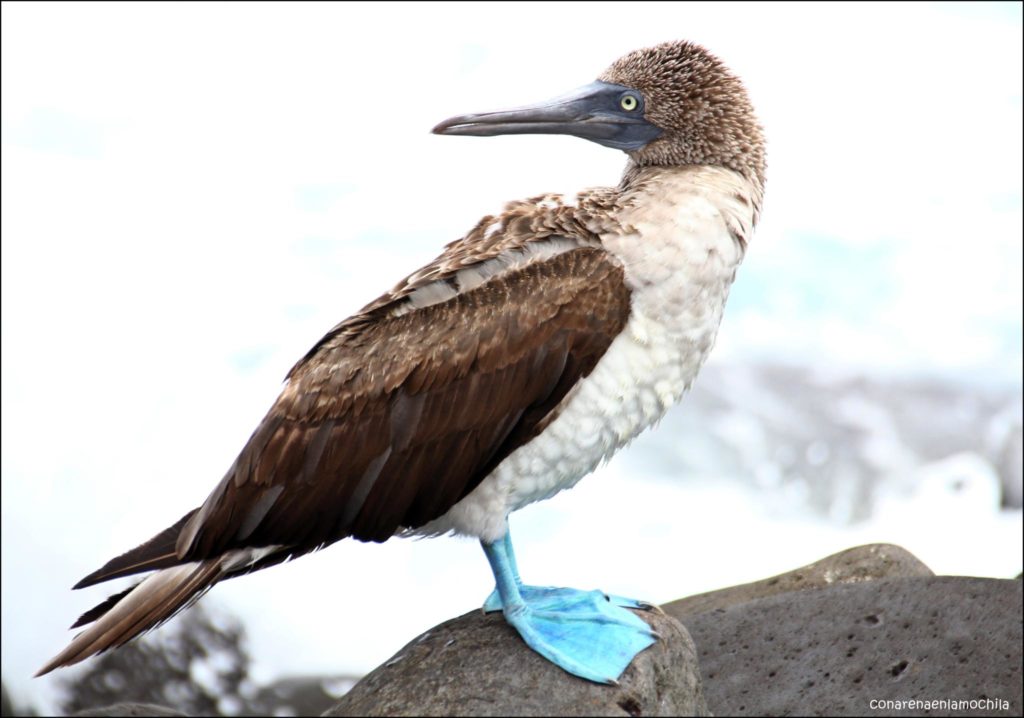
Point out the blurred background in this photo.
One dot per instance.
(193, 194)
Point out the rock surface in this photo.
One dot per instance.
(866, 631)
(300, 695)
(831, 651)
(854, 565)
(478, 665)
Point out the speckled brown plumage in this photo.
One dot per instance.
(707, 117)
(401, 411)
(454, 388)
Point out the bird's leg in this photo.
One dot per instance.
(510, 552)
(506, 577)
(582, 632)
(539, 593)
(494, 602)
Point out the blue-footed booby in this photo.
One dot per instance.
(528, 352)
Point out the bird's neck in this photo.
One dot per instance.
(639, 180)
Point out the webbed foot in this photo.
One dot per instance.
(582, 631)
(539, 594)
(588, 633)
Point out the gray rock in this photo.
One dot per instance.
(300, 695)
(118, 710)
(478, 665)
(862, 563)
(832, 651)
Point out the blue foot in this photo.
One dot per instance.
(583, 632)
(587, 633)
(541, 594)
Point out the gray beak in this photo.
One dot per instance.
(594, 112)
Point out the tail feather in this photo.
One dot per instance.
(124, 616)
(159, 552)
(96, 611)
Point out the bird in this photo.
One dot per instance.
(501, 373)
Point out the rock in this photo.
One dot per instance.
(832, 651)
(862, 563)
(478, 665)
(300, 695)
(118, 710)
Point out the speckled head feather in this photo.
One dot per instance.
(702, 107)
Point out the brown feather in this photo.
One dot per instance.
(146, 605)
(400, 411)
(396, 415)
(398, 447)
(156, 553)
(98, 610)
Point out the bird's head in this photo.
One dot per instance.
(671, 104)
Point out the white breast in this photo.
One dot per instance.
(679, 250)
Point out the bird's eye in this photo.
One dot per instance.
(629, 102)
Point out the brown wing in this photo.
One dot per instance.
(389, 422)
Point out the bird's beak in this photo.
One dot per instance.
(593, 112)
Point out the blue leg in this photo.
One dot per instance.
(580, 631)
(535, 594)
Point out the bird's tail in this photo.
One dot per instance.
(146, 605)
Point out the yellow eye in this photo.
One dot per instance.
(629, 103)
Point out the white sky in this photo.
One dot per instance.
(192, 194)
